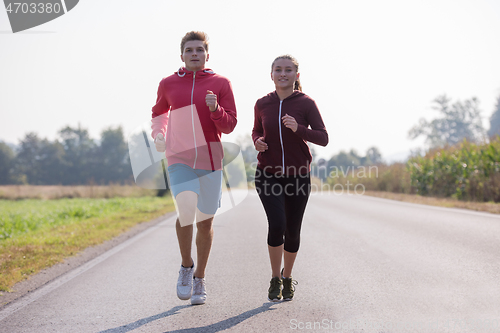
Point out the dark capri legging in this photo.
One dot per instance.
(284, 199)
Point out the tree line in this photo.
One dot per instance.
(74, 158)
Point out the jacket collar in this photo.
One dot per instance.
(204, 72)
(294, 94)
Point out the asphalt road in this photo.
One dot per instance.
(365, 265)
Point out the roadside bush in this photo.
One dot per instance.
(466, 172)
(390, 178)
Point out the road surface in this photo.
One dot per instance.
(365, 265)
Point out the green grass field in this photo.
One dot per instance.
(36, 234)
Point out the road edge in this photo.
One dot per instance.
(47, 275)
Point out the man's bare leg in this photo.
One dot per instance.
(204, 238)
(185, 238)
(186, 211)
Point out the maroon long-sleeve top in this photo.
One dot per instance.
(287, 151)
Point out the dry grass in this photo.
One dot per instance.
(17, 192)
(489, 207)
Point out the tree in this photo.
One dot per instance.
(39, 162)
(25, 162)
(457, 122)
(76, 160)
(373, 156)
(79, 155)
(50, 163)
(353, 160)
(112, 159)
(344, 160)
(6, 162)
(495, 121)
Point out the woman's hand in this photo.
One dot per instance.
(260, 145)
(290, 122)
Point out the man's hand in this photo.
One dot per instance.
(160, 143)
(260, 145)
(211, 100)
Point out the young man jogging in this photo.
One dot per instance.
(194, 106)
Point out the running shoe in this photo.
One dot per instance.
(199, 291)
(185, 282)
(288, 288)
(274, 294)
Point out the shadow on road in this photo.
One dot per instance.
(216, 327)
(228, 323)
(144, 321)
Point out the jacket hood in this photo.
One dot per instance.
(204, 72)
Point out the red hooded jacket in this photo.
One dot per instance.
(193, 133)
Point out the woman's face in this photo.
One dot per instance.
(284, 74)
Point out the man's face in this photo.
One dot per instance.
(194, 55)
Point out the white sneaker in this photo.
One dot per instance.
(185, 282)
(199, 292)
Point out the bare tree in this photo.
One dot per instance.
(461, 120)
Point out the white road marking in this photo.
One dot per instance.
(51, 286)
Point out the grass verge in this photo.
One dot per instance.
(490, 207)
(37, 234)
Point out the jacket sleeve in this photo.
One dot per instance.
(258, 130)
(317, 133)
(224, 117)
(160, 113)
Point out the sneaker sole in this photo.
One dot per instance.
(197, 302)
(274, 300)
(184, 298)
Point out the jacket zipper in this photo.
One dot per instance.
(192, 122)
(281, 141)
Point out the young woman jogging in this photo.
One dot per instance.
(285, 120)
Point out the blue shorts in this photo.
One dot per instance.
(206, 183)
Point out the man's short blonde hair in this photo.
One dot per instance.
(195, 35)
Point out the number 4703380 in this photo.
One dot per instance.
(24, 7)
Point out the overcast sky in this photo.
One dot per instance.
(373, 67)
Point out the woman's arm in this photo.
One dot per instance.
(317, 133)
